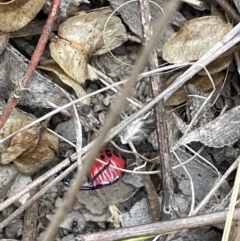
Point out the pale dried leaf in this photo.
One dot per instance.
(87, 31)
(16, 14)
(71, 59)
(82, 36)
(61, 77)
(30, 149)
(194, 38)
(201, 82)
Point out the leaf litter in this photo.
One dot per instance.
(73, 52)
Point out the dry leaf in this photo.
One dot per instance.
(82, 36)
(30, 149)
(194, 38)
(72, 60)
(87, 30)
(63, 80)
(44, 153)
(24, 140)
(16, 14)
(222, 62)
(201, 82)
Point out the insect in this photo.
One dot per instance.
(101, 175)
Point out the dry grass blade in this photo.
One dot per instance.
(65, 205)
(229, 220)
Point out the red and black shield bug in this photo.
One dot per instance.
(101, 175)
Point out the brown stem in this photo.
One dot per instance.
(15, 96)
(229, 9)
(168, 203)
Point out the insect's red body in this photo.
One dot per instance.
(100, 174)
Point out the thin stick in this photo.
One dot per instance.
(229, 9)
(160, 227)
(78, 129)
(16, 95)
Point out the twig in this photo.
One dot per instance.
(30, 221)
(151, 192)
(153, 63)
(160, 227)
(15, 96)
(118, 106)
(168, 203)
(237, 60)
(229, 9)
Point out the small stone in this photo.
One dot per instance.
(102, 117)
(73, 222)
(98, 108)
(69, 237)
(67, 130)
(14, 229)
(8, 174)
(20, 182)
(107, 100)
(139, 214)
